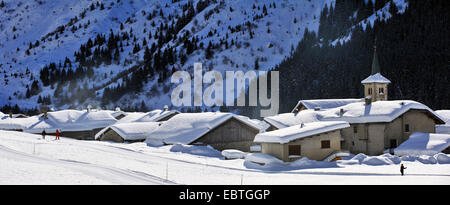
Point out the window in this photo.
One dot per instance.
(370, 91)
(381, 90)
(295, 150)
(355, 129)
(406, 127)
(325, 144)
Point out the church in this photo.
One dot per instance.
(377, 124)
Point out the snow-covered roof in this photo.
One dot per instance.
(325, 103)
(16, 123)
(152, 116)
(445, 115)
(156, 115)
(375, 78)
(289, 119)
(379, 111)
(67, 120)
(420, 143)
(185, 128)
(296, 132)
(131, 117)
(132, 131)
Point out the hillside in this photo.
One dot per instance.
(68, 54)
(411, 42)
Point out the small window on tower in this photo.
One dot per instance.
(381, 90)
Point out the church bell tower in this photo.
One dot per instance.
(376, 85)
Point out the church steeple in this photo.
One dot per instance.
(375, 86)
(375, 63)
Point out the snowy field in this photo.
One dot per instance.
(28, 159)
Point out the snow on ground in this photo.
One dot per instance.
(27, 159)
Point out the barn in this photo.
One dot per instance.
(219, 130)
(127, 132)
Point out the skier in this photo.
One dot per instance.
(402, 169)
(57, 134)
(43, 134)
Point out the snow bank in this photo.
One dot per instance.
(206, 151)
(388, 159)
(420, 143)
(385, 159)
(270, 163)
(442, 158)
(233, 154)
(296, 132)
(262, 159)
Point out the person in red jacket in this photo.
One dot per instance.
(57, 134)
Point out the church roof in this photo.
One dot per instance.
(376, 78)
(375, 63)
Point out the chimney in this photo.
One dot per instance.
(316, 108)
(166, 108)
(341, 112)
(89, 108)
(44, 109)
(302, 125)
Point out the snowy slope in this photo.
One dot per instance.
(26, 159)
(380, 15)
(25, 22)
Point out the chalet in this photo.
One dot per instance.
(135, 127)
(127, 132)
(315, 140)
(219, 130)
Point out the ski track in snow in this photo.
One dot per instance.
(116, 176)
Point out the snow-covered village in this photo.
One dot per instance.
(215, 92)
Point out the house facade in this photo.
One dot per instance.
(231, 134)
(374, 138)
(316, 141)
